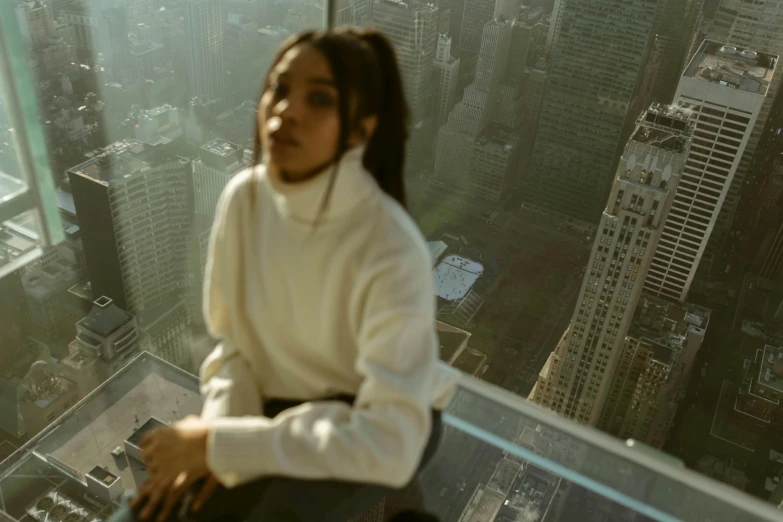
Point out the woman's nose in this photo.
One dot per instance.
(288, 108)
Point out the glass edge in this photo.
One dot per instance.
(560, 470)
(688, 478)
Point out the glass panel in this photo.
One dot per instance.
(498, 458)
(592, 221)
(614, 260)
(20, 111)
(641, 480)
(11, 182)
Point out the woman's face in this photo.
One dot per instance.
(298, 116)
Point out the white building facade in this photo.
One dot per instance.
(576, 377)
(723, 88)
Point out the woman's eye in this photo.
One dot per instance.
(279, 90)
(322, 99)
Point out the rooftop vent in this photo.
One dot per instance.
(750, 55)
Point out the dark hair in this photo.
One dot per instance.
(368, 79)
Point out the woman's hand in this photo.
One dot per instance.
(176, 457)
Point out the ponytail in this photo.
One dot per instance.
(385, 153)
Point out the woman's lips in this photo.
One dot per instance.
(281, 138)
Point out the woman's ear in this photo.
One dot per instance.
(366, 129)
(369, 124)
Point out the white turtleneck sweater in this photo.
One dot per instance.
(304, 313)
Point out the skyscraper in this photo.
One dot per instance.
(723, 87)
(675, 24)
(204, 32)
(413, 29)
(554, 25)
(445, 73)
(13, 307)
(134, 212)
(655, 365)
(218, 161)
(476, 13)
(576, 377)
(754, 26)
(37, 23)
(597, 63)
(471, 115)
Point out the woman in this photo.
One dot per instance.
(324, 393)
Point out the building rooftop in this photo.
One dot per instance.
(455, 275)
(151, 425)
(56, 461)
(470, 361)
(483, 506)
(117, 160)
(665, 126)
(103, 475)
(437, 249)
(529, 15)
(530, 495)
(82, 289)
(105, 317)
(503, 477)
(157, 111)
(78, 358)
(41, 282)
(274, 31)
(667, 322)
(408, 4)
(743, 69)
(221, 147)
(771, 368)
(452, 341)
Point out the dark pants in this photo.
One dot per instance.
(283, 499)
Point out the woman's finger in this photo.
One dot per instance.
(206, 491)
(141, 494)
(157, 489)
(147, 456)
(175, 493)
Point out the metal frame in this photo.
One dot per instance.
(39, 194)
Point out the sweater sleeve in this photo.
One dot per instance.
(227, 383)
(381, 438)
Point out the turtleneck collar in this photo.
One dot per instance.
(301, 201)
